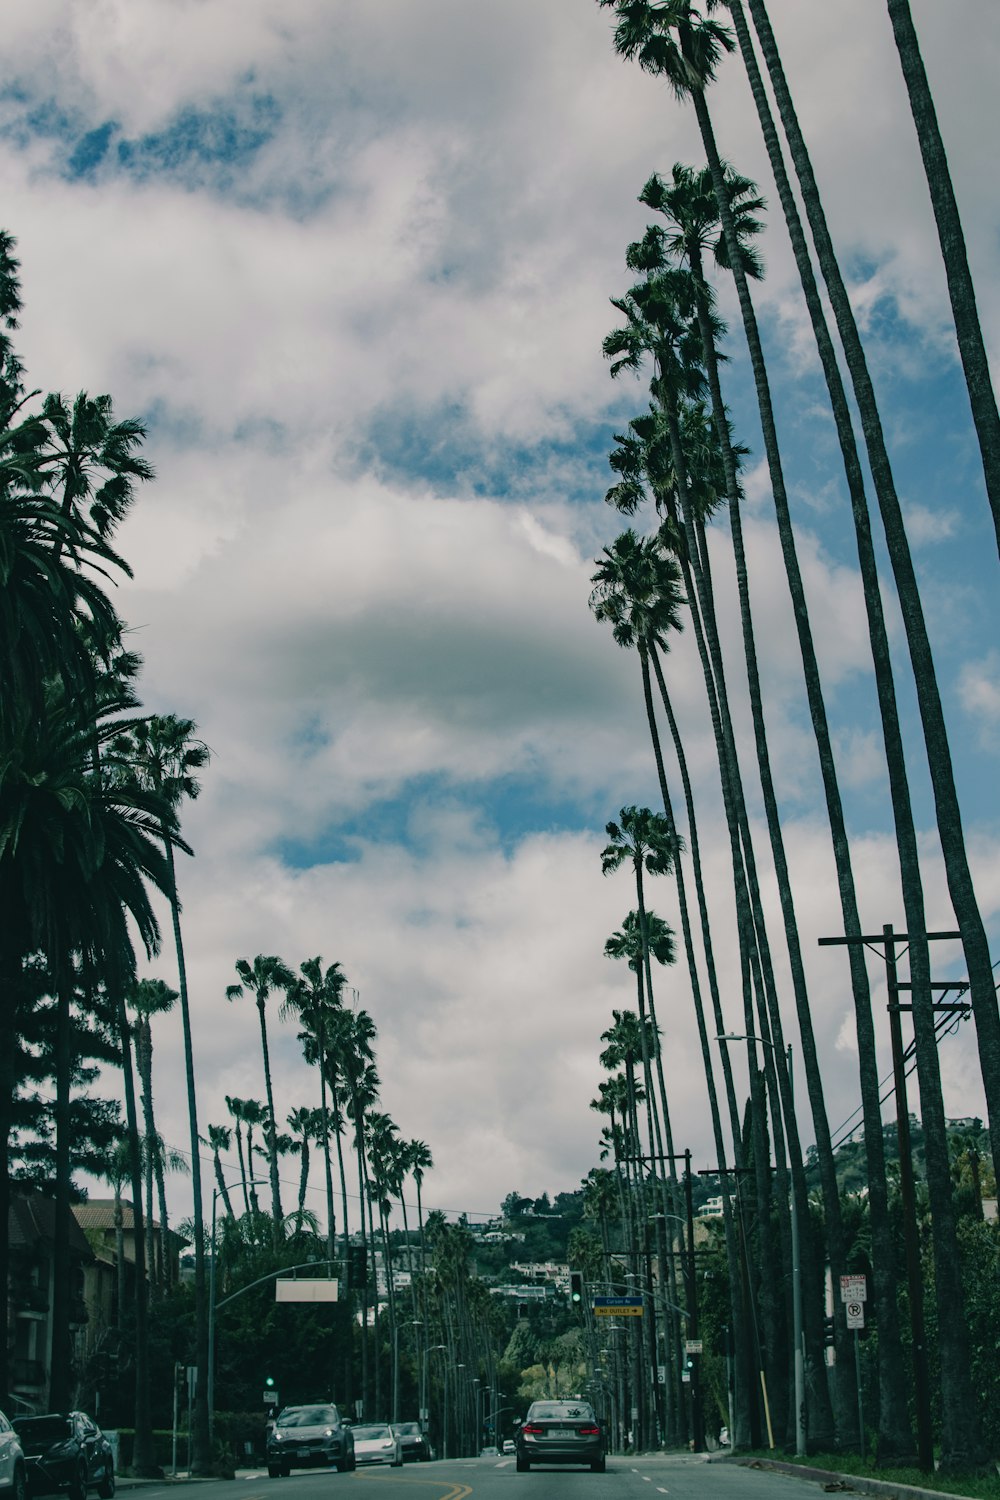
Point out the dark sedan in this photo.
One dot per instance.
(66, 1451)
(560, 1432)
(414, 1442)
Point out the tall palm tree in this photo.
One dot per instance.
(959, 1423)
(220, 1138)
(162, 752)
(147, 998)
(237, 1108)
(261, 978)
(315, 997)
(307, 1125)
(961, 290)
(693, 230)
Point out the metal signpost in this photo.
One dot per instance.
(854, 1295)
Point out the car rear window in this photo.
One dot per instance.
(574, 1411)
(372, 1432)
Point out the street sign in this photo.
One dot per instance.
(306, 1289)
(270, 1398)
(854, 1289)
(692, 1346)
(855, 1314)
(617, 1307)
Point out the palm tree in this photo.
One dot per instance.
(956, 261)
(307, 1125)
(261, 978)
(237, 1108)
(690, 207)
(316, 997)
(163, 754)
(955, 1359)
(150, 997)
(220, 1139)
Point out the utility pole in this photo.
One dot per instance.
(888, 941)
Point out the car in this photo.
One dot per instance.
(377, 1443)
(13, 1478)
(560, 1432)
(66, 1451)
(414, 1442)
(509, 1445)
(308, 1437)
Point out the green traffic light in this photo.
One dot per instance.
(269, 1382)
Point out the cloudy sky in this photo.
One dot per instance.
(351, 264)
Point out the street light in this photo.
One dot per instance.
(425, 1412)
(216, 1192)
(413, 1323)
(800, 1379)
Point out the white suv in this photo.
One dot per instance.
(12, 1476)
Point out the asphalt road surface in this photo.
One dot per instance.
(684, 1477)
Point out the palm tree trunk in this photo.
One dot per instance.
(956, 261)
(740, 1435)
(201, 1456)
(144, 1464)
(949, 819)
(62, 1348)
(821, 1422)
(270, 1131)
(960, 1424)
(895, 1432)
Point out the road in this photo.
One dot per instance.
(682, 1476)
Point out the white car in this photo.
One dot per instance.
(13, 1480)
(377, 1443)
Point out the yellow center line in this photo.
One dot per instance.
(457, 1491)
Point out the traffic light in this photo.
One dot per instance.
(269, 1382)
(357, 1265)
(575, 1288)
(270, 1392)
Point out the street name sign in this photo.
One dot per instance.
(854, 1289)
(617, 1307)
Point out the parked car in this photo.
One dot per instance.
(308, 1437)
(377, 1443)
(414, 1442)
(66, 1451)
(13, 1480)
(509, 1446)
(560, 1432)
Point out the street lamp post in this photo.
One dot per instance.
(216, 1192)
(800, 1381)
(413, 1323)
(424, 1404)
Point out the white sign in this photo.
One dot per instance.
(692, 1346)
(855, 1314)
(306, 1290)
(854, 1289)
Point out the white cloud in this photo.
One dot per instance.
(369, 352)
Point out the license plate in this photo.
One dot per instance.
(562, 1432)
(305, 1453)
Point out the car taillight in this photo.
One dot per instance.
(533, 1429)
(589, 1431)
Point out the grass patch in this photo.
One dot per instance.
(985, 1488)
